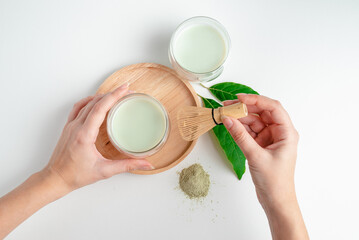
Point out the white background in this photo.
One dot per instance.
(304, 53)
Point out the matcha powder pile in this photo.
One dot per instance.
(194, 181)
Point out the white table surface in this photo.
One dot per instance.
(304, 53)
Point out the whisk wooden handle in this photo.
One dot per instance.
(237, 110)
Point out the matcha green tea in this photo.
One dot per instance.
(138, 124)
(200, 48)
(194, 181)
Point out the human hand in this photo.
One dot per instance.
(74, 163)
(269, 141)
(75, 160)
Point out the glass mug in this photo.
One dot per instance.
(198, 49)
(134, 133)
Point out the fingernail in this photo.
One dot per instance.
(241, 94)
(130, 91)
(125, 85)
(227, 122)
(146, 167)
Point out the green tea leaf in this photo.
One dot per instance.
(228, 90)
(210, 103)
(229, 146)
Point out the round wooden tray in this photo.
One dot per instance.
(166, 86)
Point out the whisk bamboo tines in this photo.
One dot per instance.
(195, 121)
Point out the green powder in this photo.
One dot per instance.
(194, 181)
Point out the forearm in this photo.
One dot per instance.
(37, 191)
(285, 219)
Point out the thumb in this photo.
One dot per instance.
(113, 167)
(240, 135)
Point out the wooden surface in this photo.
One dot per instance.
(237, 110)
(162, 83)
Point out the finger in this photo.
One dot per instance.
(264, 138)
(251, 108)
(253, 134)
(267, 117)
(98, 112)
(250, 131)
(254, 109)
(254, 122)
(229, 102)
(77, 107)
(243, 139)
(85, 111)
(113, 167)
(279, 115)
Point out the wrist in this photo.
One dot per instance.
(284, 217)
(279, 203)
(52, 183)
(277, 193)
(273, 201)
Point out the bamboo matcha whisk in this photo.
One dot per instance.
(195, 121)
